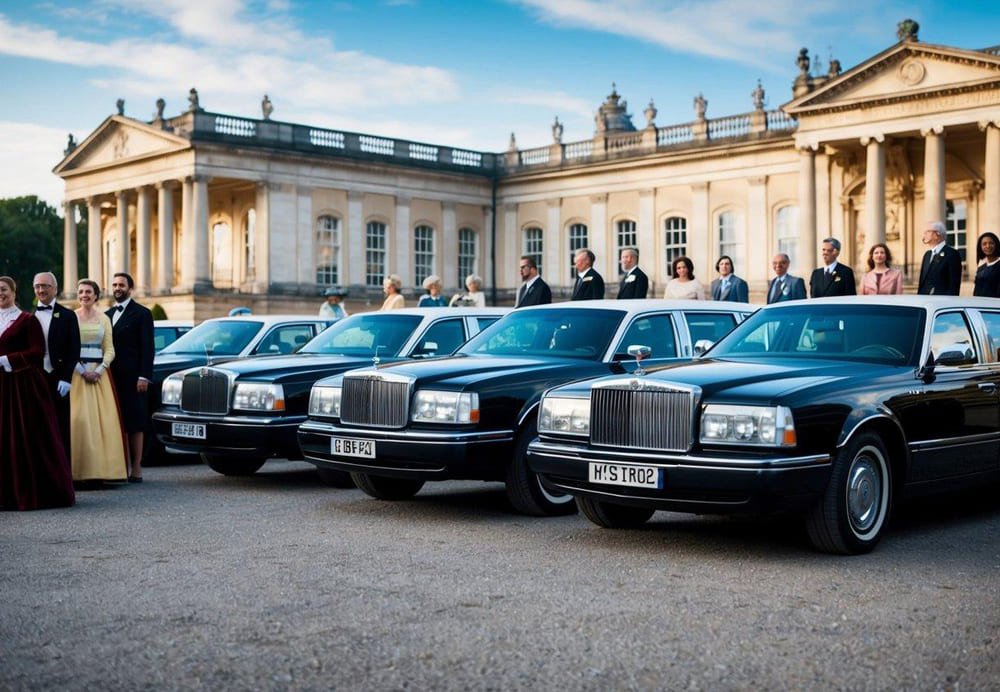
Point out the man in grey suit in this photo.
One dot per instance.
(729, 286)
(784, 286)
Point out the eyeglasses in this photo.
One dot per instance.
(43, 286)
(524, 267)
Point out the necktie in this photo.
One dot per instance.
(521, 294)
(776, 289)
(44, 307)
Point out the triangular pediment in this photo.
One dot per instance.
(907, 70)
(119, 140)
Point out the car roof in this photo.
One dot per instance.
(435, 311)
(269, 319)
(646, 305)
(912, 300)
(173, 323)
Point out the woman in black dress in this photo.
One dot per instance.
(988, 272)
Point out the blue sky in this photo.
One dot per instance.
(460, 73)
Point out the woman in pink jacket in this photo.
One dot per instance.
(881, 279)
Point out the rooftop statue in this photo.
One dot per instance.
(650, 113)
(266, 108)
(834, 68)
(557, 131)
(613, 114)
(70, 145)
(193, 104)
(700, 106)
(758, 97)
(907, 30)
(160, 105)
(803, 62)
(120, 105)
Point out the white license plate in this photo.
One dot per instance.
(350, 447)
(193, 430)
(626, 474)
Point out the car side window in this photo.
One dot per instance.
(992, 320)
(655, 331)
(484, 322)
(711, 326)
(951, 332)
(285, 339)
(441, 339)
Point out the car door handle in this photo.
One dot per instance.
(988, 387)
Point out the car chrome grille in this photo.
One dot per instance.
(205, 391)
(376, 401)
(643, 418)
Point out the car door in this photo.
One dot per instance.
(654, 330)
(285, 339)
(442, 338)
(706, 326)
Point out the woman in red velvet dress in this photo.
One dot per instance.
(34, 468)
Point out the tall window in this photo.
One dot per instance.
(533, 245)
(786, 230)
(250, 245)
(327, 250)
(577, 240)
(728, 240)
(374, 253)
(674, 240)
(222, 259)
(626, 236)
(954, 223)
(466, 254)
(423, 253)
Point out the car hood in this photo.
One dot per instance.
(166, 364)
(277, 368)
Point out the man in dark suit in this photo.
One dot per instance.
(634, 283)
(941, 270)
(834, 278)
(132, 368)
(784, 286)
(533, 290)
(589, 284)
(729, 286)
(62, 347)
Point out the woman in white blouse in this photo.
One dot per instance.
(684, 286)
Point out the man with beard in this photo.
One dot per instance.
(132, 368)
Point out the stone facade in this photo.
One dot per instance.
(210, 211)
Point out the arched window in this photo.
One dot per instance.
(327, 250)
(729, 243)
(534, 245)
(674, 240)
(222, 258)
(423, 253)
(374, 253)
(250, 245)
(786, 232)
(625, 236)
(577, 240)
(467, 251)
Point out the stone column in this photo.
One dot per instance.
(70, 275)
(121, 235)
(305, 236)
(165, 239)
(262, 205)
(401, 240)
(487, 258)
(991, 202)
(199, 232)
(874, 189)
(187, 253)
(142, 241)
(551, 253)
(448, 250)
(355, 239)
(95, 244)
(759, 253)
(512, 240)
(598, 235)
(807, 258)
(934, 174)
(646, 237)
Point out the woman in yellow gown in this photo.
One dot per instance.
(97, 440)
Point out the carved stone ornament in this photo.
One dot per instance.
(266, 107)
(557, 131)
(758, 97)
(700, 106)
(120, 144)
(650, 114)
(911, 72)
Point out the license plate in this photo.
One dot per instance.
(626, 474)
(350, 447)
(193, 430)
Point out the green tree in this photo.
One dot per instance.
(30, 242)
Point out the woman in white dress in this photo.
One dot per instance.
(684, 286)
(96, 434)
(475, 298)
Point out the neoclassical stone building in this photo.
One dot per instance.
(210, 211)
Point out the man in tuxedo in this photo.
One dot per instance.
(834, 278)
(132, 368)
(941, 270)
(62, 347)
(589, 284)
(634, 283)
(533, 291)
(784, 286)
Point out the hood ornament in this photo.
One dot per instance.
(208, 353)
(639, 352)
(375, 358)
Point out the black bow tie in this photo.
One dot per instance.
(44, 307)
(119, 308)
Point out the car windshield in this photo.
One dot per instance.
(218, 337)
(360, 335)
(869, 333)
(569, 333)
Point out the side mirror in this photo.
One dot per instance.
(956, 354)
(640, 353)
(926, 371)
(702, 345)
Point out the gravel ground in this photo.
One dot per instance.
(196, 581)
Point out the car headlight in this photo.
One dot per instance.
(254, 396)
(324, 401)
(445, 407)
(564, 415)
(170, 391)
(769, 426)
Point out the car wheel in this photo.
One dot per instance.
(524, 488)
(385, 488)
(854, 510)
(229, 466)
(611, 516)
(334, 478)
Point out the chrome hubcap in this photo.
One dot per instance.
(864, 493)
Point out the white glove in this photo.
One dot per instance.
(5, 364)
(63, 388)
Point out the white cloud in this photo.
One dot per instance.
(559, 102)
(27, 157)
